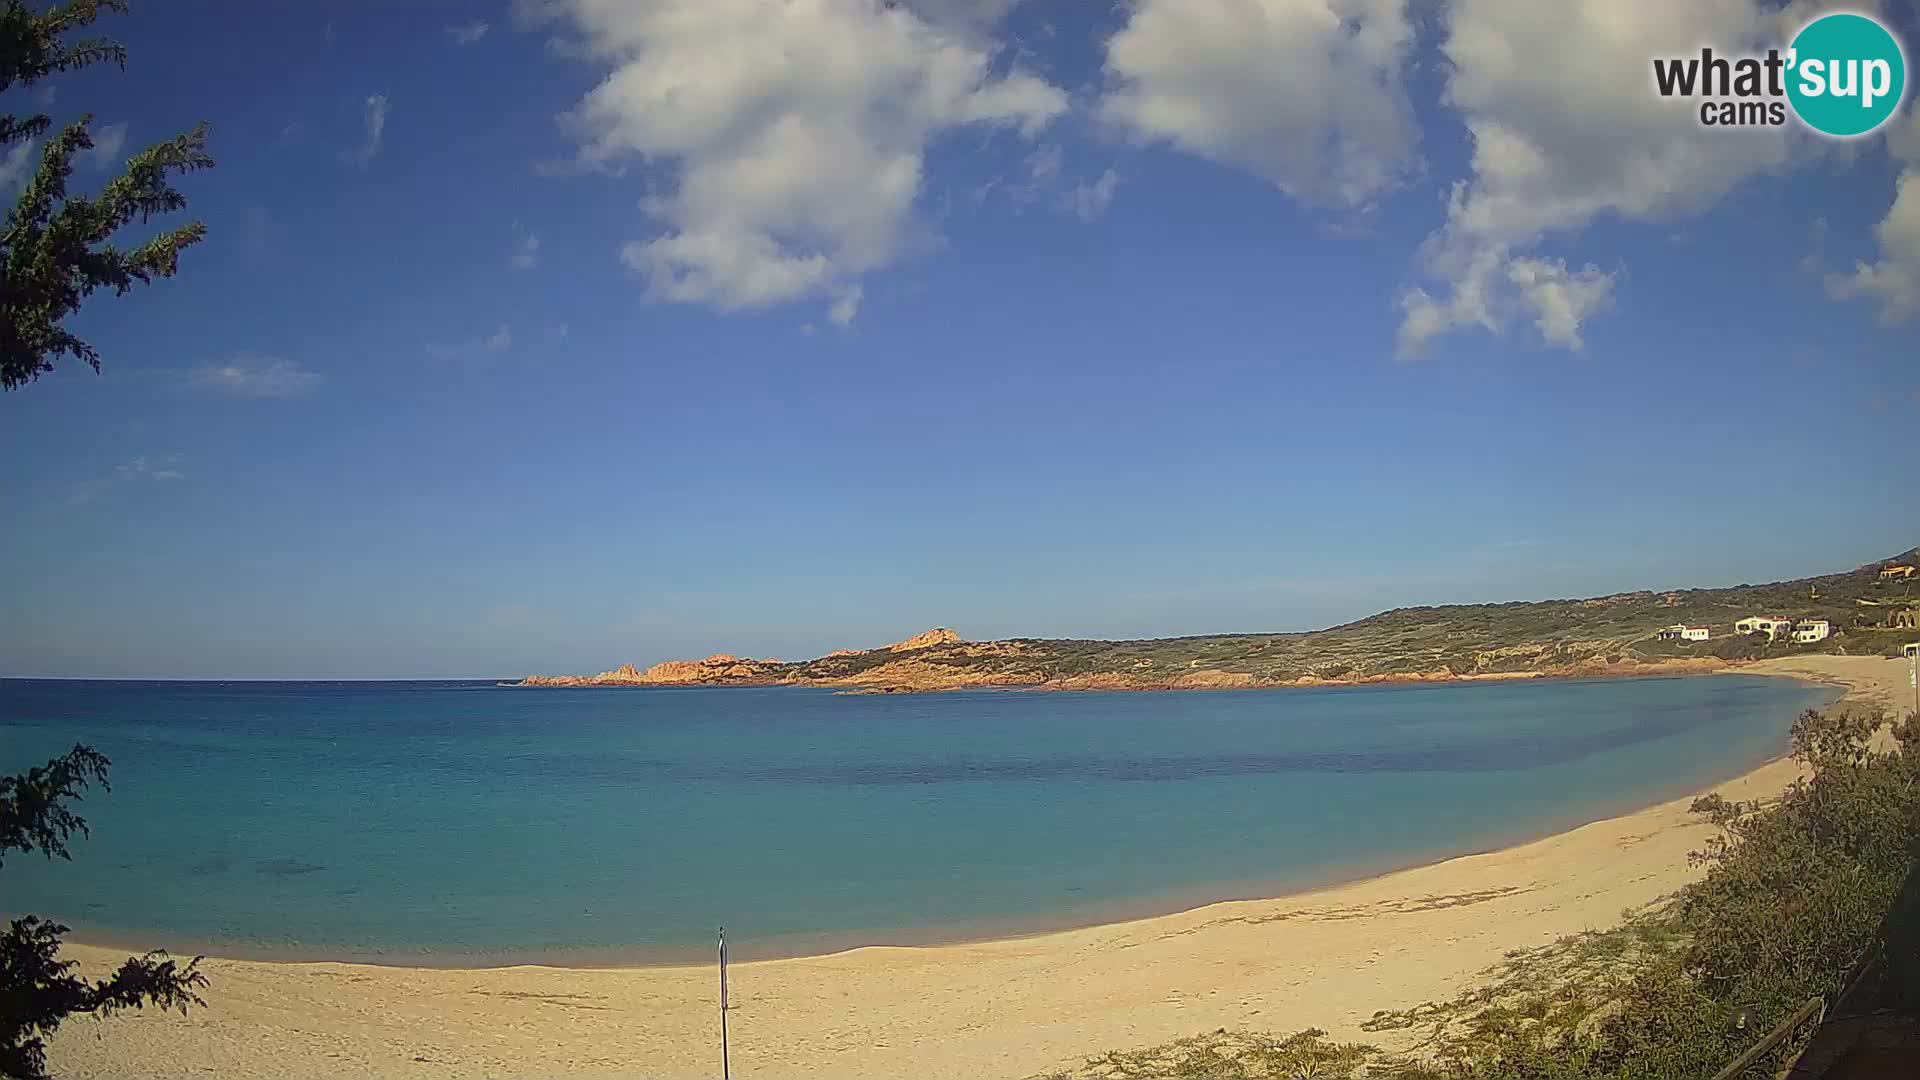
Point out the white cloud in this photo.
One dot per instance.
(153, 468)
(968, 16)
(1305, 93)
(1560, 300)
(466, 34)
(1566, 130)
(376, 124)
(1044, 164)
(255, 377)
(526, 251)
(1091, 200)
(792, 136)
(845, 306)
(1894, 279)
(160, 468)
(18, 164)
(108, 139)
(1042, 169)
(499, 341)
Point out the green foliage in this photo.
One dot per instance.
(56, 248)
(38, 990)
(1813, 894)
(33, 812)
(1236, 1055)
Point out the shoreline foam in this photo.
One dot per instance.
(1326, 957)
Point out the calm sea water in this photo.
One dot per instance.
(456, 821)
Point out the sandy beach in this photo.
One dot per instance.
(1327, 958)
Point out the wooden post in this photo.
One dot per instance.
(1812, 1013)
(725, 1066)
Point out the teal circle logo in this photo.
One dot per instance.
(1846, 74)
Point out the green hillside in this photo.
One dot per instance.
(1459, 639)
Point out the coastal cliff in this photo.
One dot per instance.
(718, 668)
(1618, 634)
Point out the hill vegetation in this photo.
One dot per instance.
(1598, 635)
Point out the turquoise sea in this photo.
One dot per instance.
(459, 822)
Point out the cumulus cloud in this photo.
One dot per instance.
(526, 251)
(1559, 299)
(465, 34)
(108, 140)
(1565, 130)
(1306, 93)
(975, 17)
(792, 136)
(376, 128)
(255, 377)
(1090, 201)
(1893, 280)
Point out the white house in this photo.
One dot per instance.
(1773, 626)
(1683, 632)
(1807, 630)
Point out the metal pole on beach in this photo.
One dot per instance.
(725, 1068)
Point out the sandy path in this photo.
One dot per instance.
(1327, 958)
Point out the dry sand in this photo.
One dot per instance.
(1009, 1008)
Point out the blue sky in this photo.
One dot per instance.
(619, 333)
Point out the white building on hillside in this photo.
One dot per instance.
(1807, 630)
(1683, 632)
(1773, 626)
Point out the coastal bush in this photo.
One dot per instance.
(1801, 898)
(38, 990)
(1235, 1055)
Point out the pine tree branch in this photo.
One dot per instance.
(33, 811)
